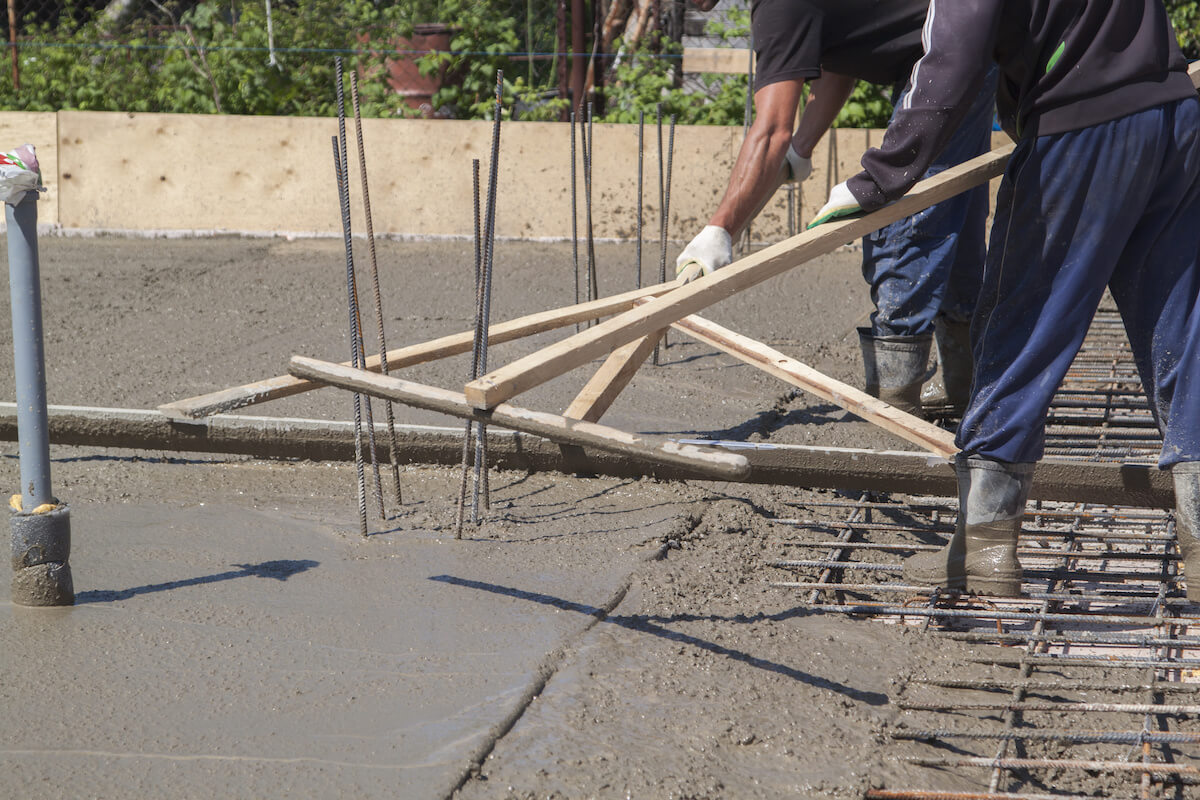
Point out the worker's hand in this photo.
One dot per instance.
(798, 167)
(841, 203)
(709, 251)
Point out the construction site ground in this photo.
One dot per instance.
(235, 636)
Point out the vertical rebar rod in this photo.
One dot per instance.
(593, 283)
(662, 238)
(574, 215)
(747, 121)
(29, 355)
(393, 447)
(468, 439)
(666, 220)
(489, 242)
(352, 278)
(344, 199)
(641, 132)
(791, 212)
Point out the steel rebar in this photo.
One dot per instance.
(574, 215)
(588, 151)
(393, 447)
(344, 198)
(468, 437)
(485, 300)
(357, 350)
(640, 161)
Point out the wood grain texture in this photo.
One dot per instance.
(611, 379)
(287, 385)
(908, 427)
(561, 357)
(713, 464)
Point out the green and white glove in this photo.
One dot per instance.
(798, 167)
(841, 203)
(708, 252)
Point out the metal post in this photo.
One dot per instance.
(41, 526)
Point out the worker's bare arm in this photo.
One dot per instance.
(758, 170)
(827, 95)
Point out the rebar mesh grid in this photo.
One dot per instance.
(1099, 659)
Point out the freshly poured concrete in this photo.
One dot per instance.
(236, 637)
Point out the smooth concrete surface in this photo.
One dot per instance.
(234, 648)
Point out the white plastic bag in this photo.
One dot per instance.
(19, 174)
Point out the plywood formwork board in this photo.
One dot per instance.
(282, 386)
(703, 462)
(201, 173)
(561, 357)
(722, 60)
(275, 174)
(40, 129)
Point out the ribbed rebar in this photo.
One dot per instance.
(593, 285)
(640, 160)
(574, 214)
(489, 252)
(393, 447)
(1043, 735)
(344, 200)
(468, 437)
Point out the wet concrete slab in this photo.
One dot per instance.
(223, 649)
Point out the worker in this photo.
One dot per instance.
(831, 44)
(1103, 188)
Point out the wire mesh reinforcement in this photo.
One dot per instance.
(1080, 687)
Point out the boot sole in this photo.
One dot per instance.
(996, 587)
(958, 585)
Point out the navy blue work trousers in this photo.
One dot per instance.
(930, 263)
(1118, 205)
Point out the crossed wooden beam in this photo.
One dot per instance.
(636, 321)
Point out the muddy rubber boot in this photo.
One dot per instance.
(949, 389)
(894, 367)
(981, 556)
(1187, 523)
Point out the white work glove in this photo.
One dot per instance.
(708, 252)
(798, 167)
(841, 204)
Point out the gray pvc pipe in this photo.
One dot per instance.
(28, 353)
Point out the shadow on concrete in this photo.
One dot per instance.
(279, 570)
(645, 624)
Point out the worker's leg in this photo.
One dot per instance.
(1157, 287)
(982, 555)
(1156, 283)
(1186, 475)
(1063, 217)
(909, 264)
(1055, 243)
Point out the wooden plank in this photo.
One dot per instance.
(1194, 73)
(704, 463)
(286, 385)
(724, 60)
(550, 362)
(611, 379)
(908, 427)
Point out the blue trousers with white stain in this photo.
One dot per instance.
(930, 263)
(1115, 204)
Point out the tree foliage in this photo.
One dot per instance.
(211, 56)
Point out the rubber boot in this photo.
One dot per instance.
(981, 556)
(948, 390)
(894, 367)
(1187, 523)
